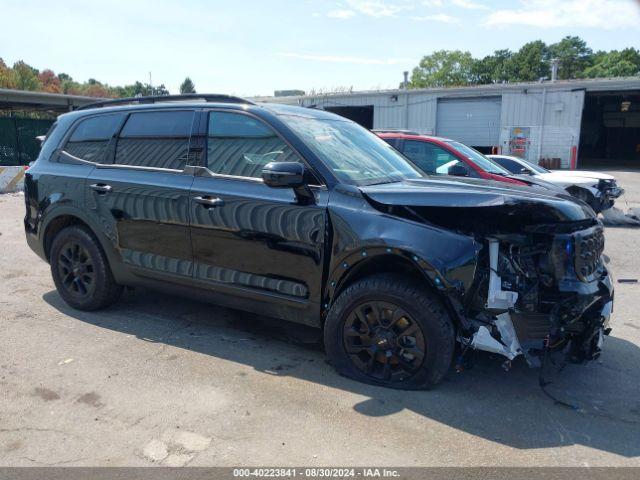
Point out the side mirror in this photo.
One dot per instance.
(458, 171)
(525, 171)
(283, 174)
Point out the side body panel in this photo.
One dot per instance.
(145, 217)
(260, 243)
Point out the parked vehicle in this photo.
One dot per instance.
(442, 156)
(306, 216)
(597, 189)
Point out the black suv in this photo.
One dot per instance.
(303, 215)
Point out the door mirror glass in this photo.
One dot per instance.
(458, 171)
(283, 174)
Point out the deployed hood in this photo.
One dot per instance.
(582, 174)
(473, 204)
(566, 178)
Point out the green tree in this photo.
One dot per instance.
(443, 68)
(614, 64)
(187, 86)
(496, 68)
(7, 76)
(632, 56)
(26, 76)
(574, 55)
(530, 63)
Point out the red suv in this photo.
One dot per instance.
(441, 156)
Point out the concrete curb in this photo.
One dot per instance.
(11, 179)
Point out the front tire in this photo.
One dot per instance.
(388, 331)
(80, 270)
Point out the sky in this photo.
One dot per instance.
(253, 47)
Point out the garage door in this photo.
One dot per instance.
(474, 121)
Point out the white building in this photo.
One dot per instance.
(581, 122)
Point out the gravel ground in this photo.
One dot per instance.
(157, 380)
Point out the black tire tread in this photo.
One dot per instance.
(419, 299)
(107, 291)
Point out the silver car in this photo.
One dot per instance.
(597, 189)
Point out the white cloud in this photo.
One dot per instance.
(347, 59)
(440, 17)
(469, 5)
(341, 14)
(380, 8)
(432, 3)
(605, 14)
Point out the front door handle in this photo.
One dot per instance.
(209, 202)
(101, 188)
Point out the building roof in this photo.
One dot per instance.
(591, 85)
(42, 101)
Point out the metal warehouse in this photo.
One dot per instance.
(576, 122)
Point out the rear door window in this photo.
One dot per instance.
(91, 137)
(430, 158)
(240, 145)
(155, 139)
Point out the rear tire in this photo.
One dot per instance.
(385, 330)
(80, 270)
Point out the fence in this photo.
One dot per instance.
(18, 144)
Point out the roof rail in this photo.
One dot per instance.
(207, 97)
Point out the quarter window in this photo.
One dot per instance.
(241, 146)
(90, 139)
(155, 139)
(430, 158)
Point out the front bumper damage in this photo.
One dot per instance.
(607, 191)
(573, 327)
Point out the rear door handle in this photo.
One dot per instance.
(101, 188)
(209, 202)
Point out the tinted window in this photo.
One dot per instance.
(513, 167)
(391, 141)
(90, 138)
(240, 145)
(155, 139)
(158, 124)
(429, 157)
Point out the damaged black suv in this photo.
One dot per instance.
(305, 216)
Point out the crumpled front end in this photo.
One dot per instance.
(606, 193)
(540, 283)
(542, 292)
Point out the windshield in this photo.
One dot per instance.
(355, 155)
(476, 157)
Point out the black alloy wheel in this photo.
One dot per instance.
(383, 341)
(76, 269)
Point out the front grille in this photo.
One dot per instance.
(589, 245)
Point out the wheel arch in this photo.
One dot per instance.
(65, 216)
(400, 263)
(55, 226)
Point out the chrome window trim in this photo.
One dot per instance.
(204, 172)
(140, 167)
